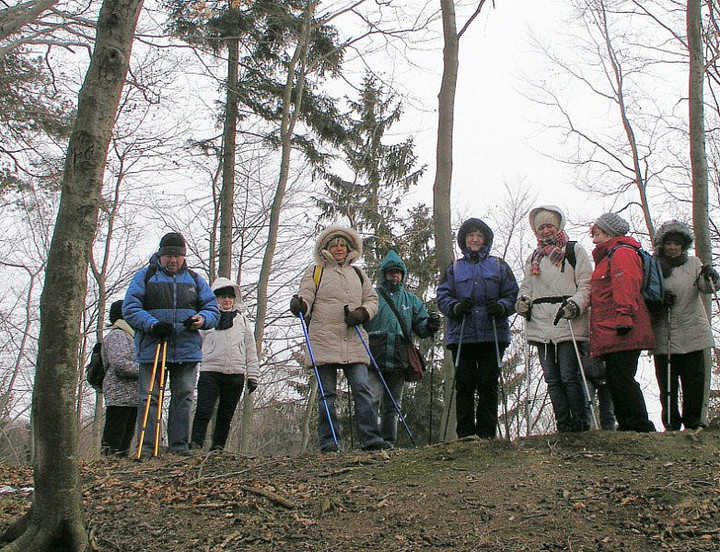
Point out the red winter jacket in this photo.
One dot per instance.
(615, 300)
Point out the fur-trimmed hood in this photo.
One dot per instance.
(471, 225)
(354, 240)
(224, 282)
(672, 227)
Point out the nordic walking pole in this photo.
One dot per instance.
(582, 375)
(455, 367)
(317, 377)
(668, 391)
(432, 373)
(527, 381)
(387, 389)
(501, 378)
(161, 397)
(151, 386)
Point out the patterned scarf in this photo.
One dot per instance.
(554, 249)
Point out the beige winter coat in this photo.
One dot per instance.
(689, 326)
(333, 342)
(558, 281)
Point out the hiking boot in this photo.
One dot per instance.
(379, 445)
(330, 449)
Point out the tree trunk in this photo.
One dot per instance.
(294, 86)
(227, 196)
(443, 180)
(55, 519)
(698, 161)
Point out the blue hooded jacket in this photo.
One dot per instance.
(483, 278)
(386, 336)
(170, 298)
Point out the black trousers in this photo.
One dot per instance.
(119, 430)
(627, 397)
(687, 370)
(477, 374)
(213, 387)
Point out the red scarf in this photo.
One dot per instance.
(553, 248)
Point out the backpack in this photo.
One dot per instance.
(95, 370)
(653, 284)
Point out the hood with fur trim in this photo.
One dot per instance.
(672, 227)
(355, 244)
(553, 209)
(471, 225)
(224, 282)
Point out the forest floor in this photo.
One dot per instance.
(592, 491)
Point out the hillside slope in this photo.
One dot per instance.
(594, 491)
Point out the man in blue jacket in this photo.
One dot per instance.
(477, 293)
(168, 302)
(387, 339)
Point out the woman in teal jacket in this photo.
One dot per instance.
(387, 341)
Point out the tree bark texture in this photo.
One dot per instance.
(55, 520)
(443, 176)
(698, 161)
(227, 196)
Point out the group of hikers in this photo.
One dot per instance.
(588, 325)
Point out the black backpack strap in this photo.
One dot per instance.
(390, 304)
(570, 253)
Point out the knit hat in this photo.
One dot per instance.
(612, 224)
(172, 244)
(116, 311)
(227, 291)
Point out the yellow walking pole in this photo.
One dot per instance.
(161, 396)
(147, 402)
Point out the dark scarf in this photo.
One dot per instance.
(668, 263)
(226, 319)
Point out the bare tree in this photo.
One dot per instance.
(442, 185)
(55, 519)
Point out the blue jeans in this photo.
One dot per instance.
(357, 376)
(182, 384)
(562, 376)
(382, 404)
(605, 404)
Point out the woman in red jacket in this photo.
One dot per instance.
(619, 320)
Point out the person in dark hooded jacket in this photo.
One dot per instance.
(682, 331)
(387, 341)
(477, 293)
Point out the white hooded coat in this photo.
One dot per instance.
(231, 351)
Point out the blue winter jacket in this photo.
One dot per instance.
(489, 278)
(169, 298)
(386, 336)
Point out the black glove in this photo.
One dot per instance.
(434, 322)
(623, 330)
(162, 330)
(298, 305)
(356, 317)
(669, 299)
(188, 322)
(496, 310)
(464, 307)
(709, 273)
(250, 385)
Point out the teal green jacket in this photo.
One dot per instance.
(386, 336)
